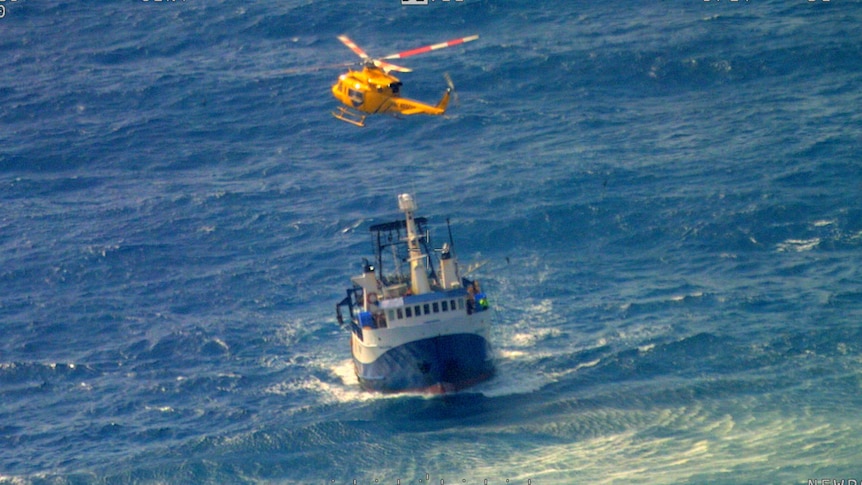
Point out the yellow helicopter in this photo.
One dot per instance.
(374, 91)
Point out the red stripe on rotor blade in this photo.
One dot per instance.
(352, 46)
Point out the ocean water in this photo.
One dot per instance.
(665, 197)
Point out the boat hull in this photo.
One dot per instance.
(436, 365)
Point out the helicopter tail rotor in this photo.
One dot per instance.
(451, 88)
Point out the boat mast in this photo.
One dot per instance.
(418, 273)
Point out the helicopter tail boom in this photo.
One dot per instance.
(406, 106)
(444, 102)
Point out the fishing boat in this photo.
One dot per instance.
(416, 324)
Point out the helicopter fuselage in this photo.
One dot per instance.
(374, 91)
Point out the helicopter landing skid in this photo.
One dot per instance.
(350, 116)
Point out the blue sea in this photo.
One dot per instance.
(664, 198)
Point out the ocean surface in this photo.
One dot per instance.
(665, 197)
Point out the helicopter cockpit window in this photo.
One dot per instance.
(395, 87)
(356, 97)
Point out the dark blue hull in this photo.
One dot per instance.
(435, 365)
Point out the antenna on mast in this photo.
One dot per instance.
(449, 228)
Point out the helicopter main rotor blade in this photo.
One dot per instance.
(388, 66)
(352, 46)
(429, 48)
